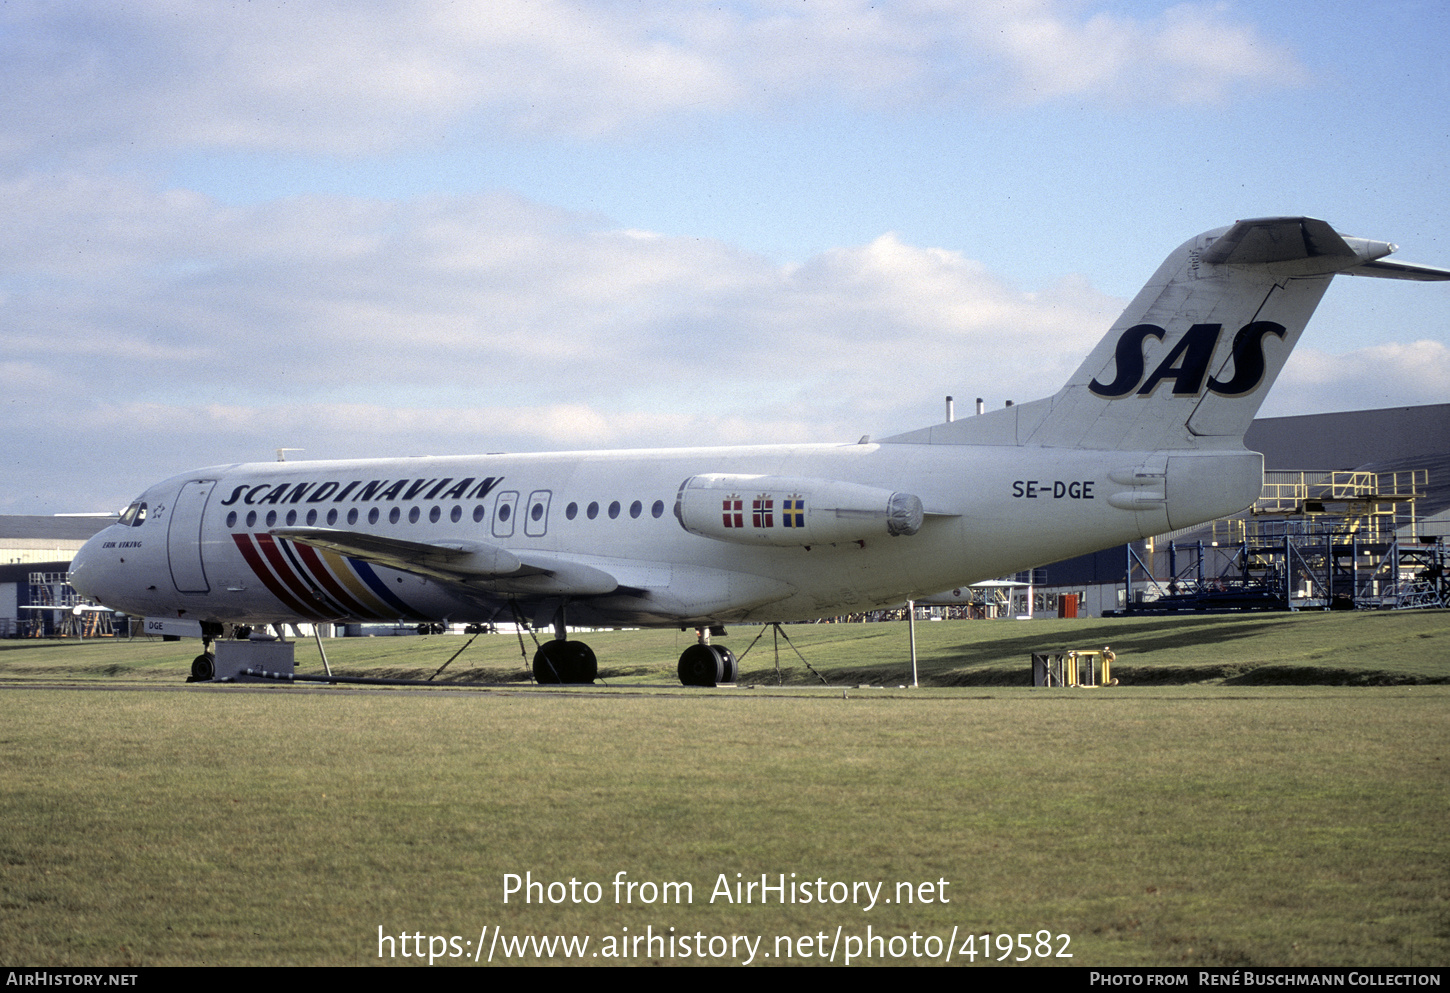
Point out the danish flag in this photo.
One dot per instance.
(732, 511)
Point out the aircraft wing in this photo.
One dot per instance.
(475, 564)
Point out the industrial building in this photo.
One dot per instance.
(35, 556)
(1355, 509)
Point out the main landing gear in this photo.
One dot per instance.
(704, 664)
(565, 662)
(562, 661)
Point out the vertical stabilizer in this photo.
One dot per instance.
(1191, 359)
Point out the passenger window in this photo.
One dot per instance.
(394, 515)
(614, 510)
(373, 515)
(311, 518)
(413, 515)
(271, 518)
(635, 509)
(332, 517)
(434, 514)
(571, 511)
(658, 509)
(291, 518)
(456, 514)
(593, 510)
(232, 519)
(251, 518)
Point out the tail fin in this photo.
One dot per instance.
(1193, 356)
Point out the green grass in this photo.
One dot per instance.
(1218, 822)
(1372, 648)
(1183, 825)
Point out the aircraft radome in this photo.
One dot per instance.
(1146, 437)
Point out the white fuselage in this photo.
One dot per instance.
(203, 551)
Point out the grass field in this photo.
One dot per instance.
(1377, 648)
(1218, 823)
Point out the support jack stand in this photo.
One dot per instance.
(777, 633)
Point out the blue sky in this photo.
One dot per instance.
(406, 228)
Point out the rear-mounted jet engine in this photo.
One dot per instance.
(792, 510)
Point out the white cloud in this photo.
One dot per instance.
(351, 328)
(353, 79)
(1389, 375)
(1191, 53)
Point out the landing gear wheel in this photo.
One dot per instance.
(203, 668)
(702, 665)
(565, 662)
(729, 671)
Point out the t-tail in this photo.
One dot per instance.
(1191, 359)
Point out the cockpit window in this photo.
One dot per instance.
(134, 516)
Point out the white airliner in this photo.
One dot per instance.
(1146, 437)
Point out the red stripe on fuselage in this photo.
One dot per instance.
(248, 544)
(278, 560)
(319, 571)
(259, 567)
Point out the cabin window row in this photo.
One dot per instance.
(657, 509)
(374, 514)
(435, 514)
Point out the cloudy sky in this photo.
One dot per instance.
(412, 228)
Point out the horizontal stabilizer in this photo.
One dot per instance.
(1299, 246)
(1399, 270)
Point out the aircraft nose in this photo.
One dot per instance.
(86, 570)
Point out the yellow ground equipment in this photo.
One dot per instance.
(1073, 668)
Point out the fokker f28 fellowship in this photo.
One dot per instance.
(1146, 437)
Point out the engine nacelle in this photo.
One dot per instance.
(792, 510)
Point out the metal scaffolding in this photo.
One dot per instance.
(1312, 541)
(57, 610)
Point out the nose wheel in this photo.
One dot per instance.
(203, 668)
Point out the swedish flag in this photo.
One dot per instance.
(793, 511)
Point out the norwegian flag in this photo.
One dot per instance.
(732, 511)
(762, 511)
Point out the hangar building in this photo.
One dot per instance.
(1407, 448)
(33, 545)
